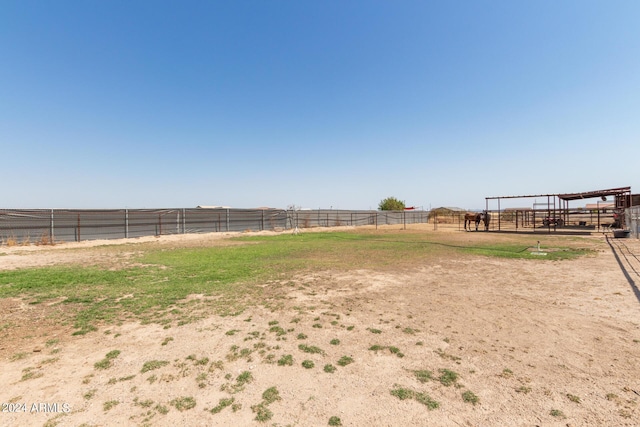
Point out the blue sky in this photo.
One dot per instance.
(112, 104)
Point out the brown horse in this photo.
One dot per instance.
(472, 217)
(486, 217)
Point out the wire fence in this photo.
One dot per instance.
(24, 226)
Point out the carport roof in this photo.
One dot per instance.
(573, 196)
(593, 194)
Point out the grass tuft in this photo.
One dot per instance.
(271, 395)
(345, 360)
(152, 365)
(222, 403)
(310, 349)
(286, 360)
(423, 376)
(183, 403)
(107, 361)
(447, 377)
(469, 397)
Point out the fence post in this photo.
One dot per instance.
(262, 223)
(51, 232)
(227, 219)
(126, 223)
(78, 236)
(184, 220)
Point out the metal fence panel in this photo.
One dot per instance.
(23, 226)
(632, 218)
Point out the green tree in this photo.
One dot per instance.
(391, 204)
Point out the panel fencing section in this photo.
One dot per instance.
(44, 226)
(337, 218)
(632, 218)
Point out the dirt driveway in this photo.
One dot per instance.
(463, 341)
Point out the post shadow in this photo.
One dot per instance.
(633, 284)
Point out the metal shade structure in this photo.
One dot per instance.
(557, 206)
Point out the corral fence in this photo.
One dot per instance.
(632, 217)
(541, 220)
(549, 220)
(24, 226)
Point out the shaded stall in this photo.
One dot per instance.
(552, 211)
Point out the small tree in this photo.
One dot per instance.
(391, 204)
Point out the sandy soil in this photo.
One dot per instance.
(538, 343)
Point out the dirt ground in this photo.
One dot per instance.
(532, 344)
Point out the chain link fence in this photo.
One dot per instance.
(44, 226)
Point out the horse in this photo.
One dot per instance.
(486, 217)
(472, 217)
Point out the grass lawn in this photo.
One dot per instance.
(155, 289)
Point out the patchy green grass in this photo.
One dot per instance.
(263, 413)
(426, 400)
(183, 403)
(329, 368)
(286, 360)
(18, 356)
(110, 404)
(222, 403)
(392, 349)
(244, 378)
(573, 398)
(107, 362)
(345, 360)
(271, 395)
(308, 364)
(158, 283)
(469, 397)
(335, 421)
(506, 373)
(310, 349)
(447, 377)
(52, 342)
(423, 375)
(448, 356)
(152, 365)
(404, 393)
(30, 374)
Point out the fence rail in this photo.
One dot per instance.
(56, 225)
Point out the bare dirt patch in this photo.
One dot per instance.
(496, 342)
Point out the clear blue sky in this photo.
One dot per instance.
(112, 104)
